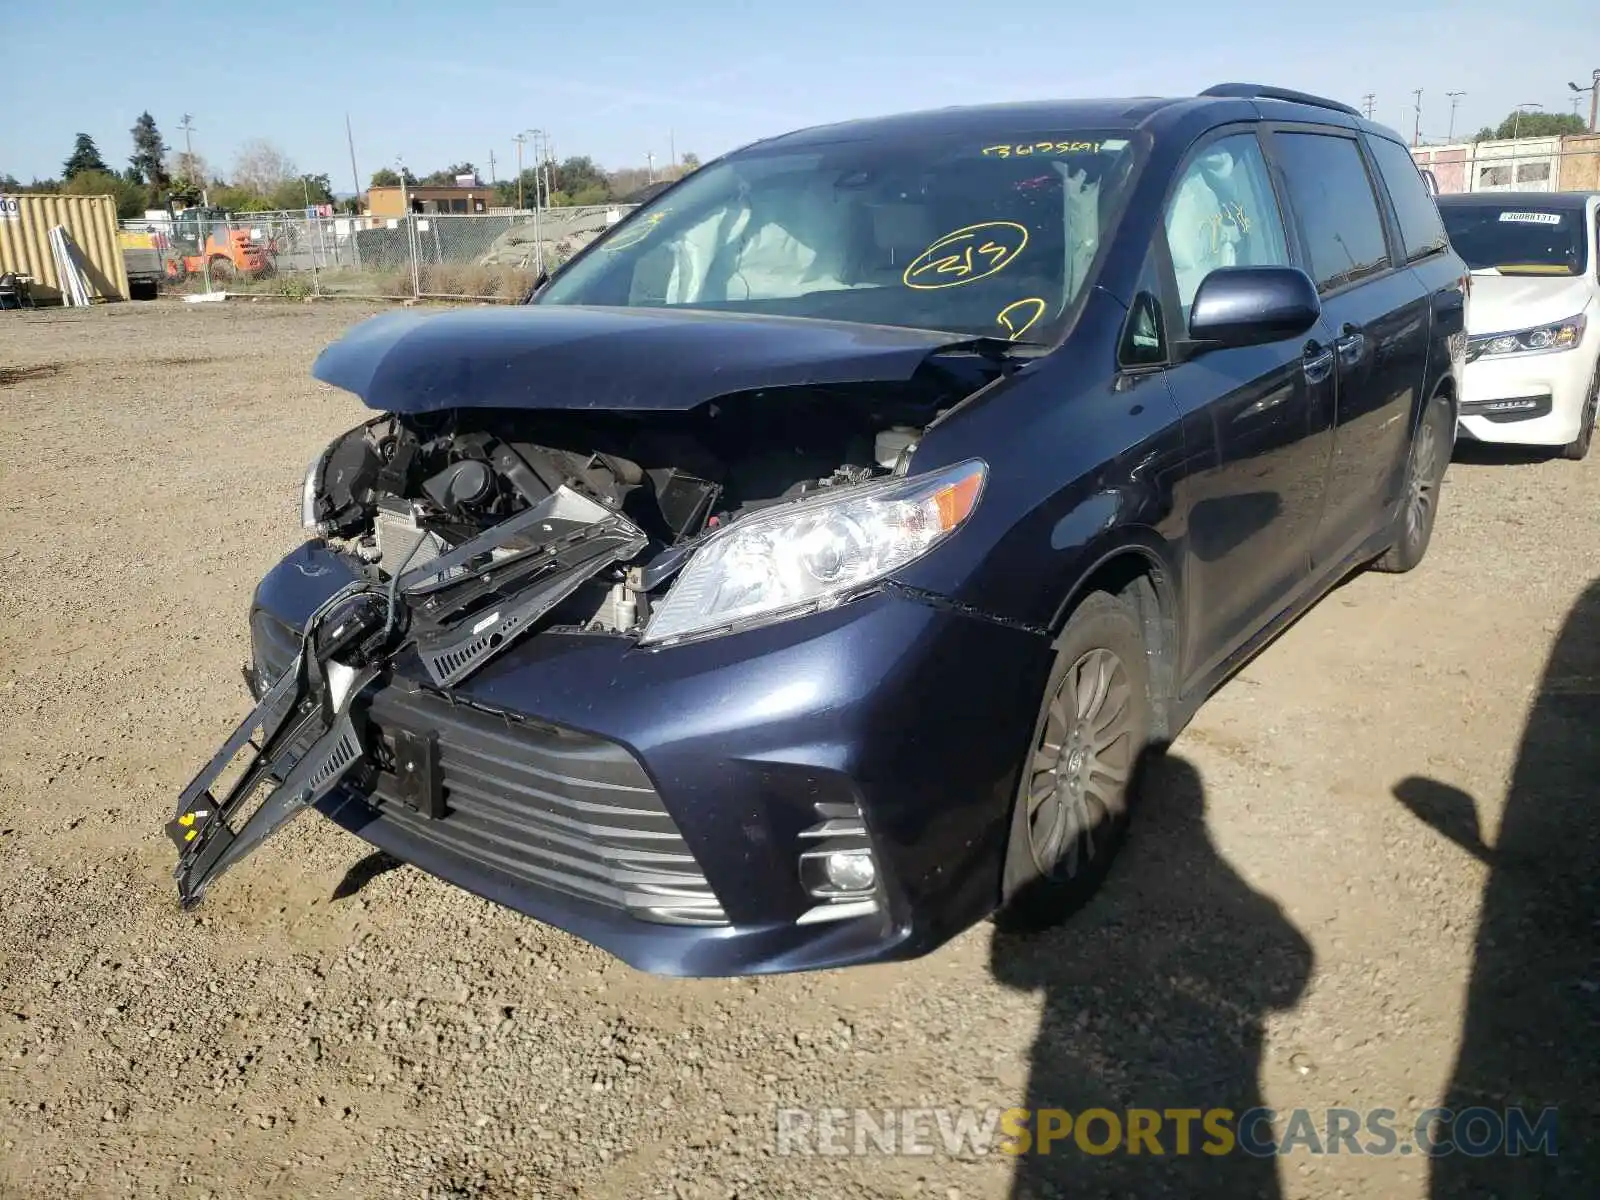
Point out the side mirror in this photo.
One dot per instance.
(1247, 306)
(1431, 182)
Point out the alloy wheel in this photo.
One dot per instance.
(1081, 764)
(1424, 484)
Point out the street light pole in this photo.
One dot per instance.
(1594, 100)
(1455, 99)
(1416, 131)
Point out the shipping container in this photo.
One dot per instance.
(91, 222)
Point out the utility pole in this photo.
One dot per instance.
(650, 168)
(1516, 127)
(672, 145)
(492, 177)
(1594, 99)
(1367, 102)
(1416, 130)
(520, 139)
(1455, 99)
(355, 176)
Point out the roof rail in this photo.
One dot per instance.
(1261, 91)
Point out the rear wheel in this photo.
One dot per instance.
(1430, 455)
(1089, 741)
(1578, 448)
(221, 270)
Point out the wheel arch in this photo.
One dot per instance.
(1140, 569)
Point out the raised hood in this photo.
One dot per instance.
(571, 357)
(1508, 303)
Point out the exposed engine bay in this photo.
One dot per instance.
(469, 527)
(403, 493)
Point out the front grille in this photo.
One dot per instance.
(548, 806)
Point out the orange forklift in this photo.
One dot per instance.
(205, 239)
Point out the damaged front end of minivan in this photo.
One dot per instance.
(519, 497)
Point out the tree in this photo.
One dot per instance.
(130, 196)
(580, 174)
(690, 161)
(85, 157)
(149, 153)
(9, 183)
(301, 191)
(187, 172)
(261, 167)
(1533, 124)
(388, 177)
(447, 177)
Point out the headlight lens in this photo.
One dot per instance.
(1561, 335)
(310, 490)
(813, 553)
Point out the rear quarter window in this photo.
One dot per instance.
(1420, 227)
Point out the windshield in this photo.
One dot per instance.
(1517, 239)
(988, 237)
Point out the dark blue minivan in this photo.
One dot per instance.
(807, 570)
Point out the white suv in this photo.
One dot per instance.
(1533, 321)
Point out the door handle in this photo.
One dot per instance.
(1318, 362)
(1351, 346)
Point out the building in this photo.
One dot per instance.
(393, 201)
(1545, 164)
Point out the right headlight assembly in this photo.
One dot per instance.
(814, 553)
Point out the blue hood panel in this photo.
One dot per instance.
(570, 357)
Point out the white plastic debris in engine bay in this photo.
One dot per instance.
(891, 443)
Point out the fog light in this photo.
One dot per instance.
(851, 870)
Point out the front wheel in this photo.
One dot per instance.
(1083, 763)
(1578, 449)
(1419, 506)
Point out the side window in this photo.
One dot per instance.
(1144, 336)
(1332, 197)
(1420, 227)
(1223, 214)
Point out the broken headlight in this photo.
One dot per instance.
(310, 493)
(801, 557)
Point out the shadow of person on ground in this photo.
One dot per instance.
(1155, 997)
(1531, 1036)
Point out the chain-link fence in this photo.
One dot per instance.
(447, 256)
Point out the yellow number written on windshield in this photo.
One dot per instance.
(967, 255)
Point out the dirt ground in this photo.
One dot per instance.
(1368, 880)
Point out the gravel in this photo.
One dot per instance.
(1282, 929)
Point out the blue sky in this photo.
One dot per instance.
(617, 79)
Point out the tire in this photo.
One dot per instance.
(221, 270)
(1419, 504)
(1578, 449)
(1083, 766)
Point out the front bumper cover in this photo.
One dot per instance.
(894, 705)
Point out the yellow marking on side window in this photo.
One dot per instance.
(644, 228)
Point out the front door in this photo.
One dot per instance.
(1262, 412)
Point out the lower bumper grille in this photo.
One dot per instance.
(1511, 408)
(545, 805)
